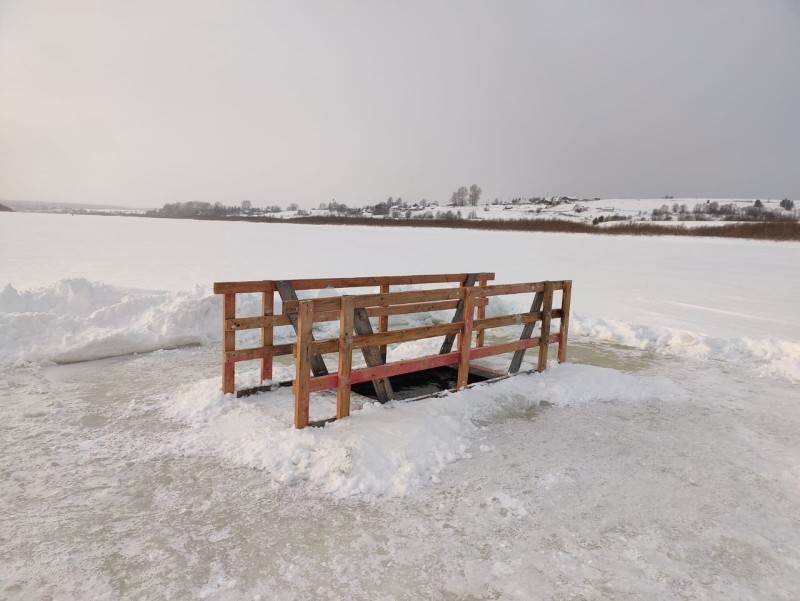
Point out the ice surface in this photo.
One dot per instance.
(661, 464)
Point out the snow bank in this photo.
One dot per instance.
(771, 357)
(77, 320)
(391, 449)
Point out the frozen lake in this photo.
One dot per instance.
(662, 463)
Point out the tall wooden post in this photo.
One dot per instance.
(563, 331)
(302, 376)
(465, 338)
(544, 344)
(228, 343)
(345, 356)
(267, 310)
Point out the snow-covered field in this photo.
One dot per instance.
(660, 463)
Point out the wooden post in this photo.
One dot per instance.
(465, 338)
(267, 310)
(302, 376)
(563, 331)
(527, 332)
(228, 344)
(383, 322)
(447, 345)
(287, 292)
(543, 345)
(345, 357)
(372, 356)
(481, 338)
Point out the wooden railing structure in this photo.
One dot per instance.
(469, 300)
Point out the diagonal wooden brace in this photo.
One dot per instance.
(372, 355)
(287, 292)
(447, 345)
(527, 332)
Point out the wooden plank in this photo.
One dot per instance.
(333, 303)
(563, 330)
(507, 320)
(251, 323)
(356, 282)
(302, 376)
(383, 388)
(505, 347)
(405, 335)
(345, 357)
(545, 335)
(328, 345)
(242, 287)
(418, 307)
(465, 340)
(447, 344)
(267, 308)
(289, 295)
(228, 345)
(500, 289)
(383, 322)
(365, 374)
(249, 354)
(527, 332)
(387, 280)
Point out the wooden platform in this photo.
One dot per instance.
(468, 301)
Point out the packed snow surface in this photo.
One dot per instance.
(661, 462)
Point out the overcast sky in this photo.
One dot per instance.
(145, 102)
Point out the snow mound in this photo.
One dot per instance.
(391, 449)
(77, 320)
(773, 357)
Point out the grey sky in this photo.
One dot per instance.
(146, 102)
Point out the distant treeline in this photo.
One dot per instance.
(714, 211)
(5, 208)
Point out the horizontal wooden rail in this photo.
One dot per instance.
(334, 303)
(238, 324)
(512, 320)
(355, 282)
(397, 368)
(502, 289)
(405, 335)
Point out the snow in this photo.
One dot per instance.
(660, 462)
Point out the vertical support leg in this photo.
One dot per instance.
(302, 376)
(465, 338)
(544, 344)
(267, 310)
(383, 322)
(228, 343)
(563, 331)
(345, 357)
(481, 338)
(527, 332)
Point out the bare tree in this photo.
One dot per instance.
(474, 194)
(459, 197)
